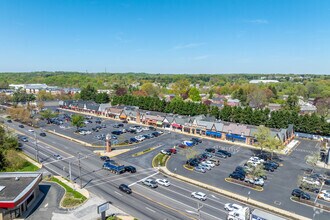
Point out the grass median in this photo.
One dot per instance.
(71, 198)
(160, 160)
(143, 152)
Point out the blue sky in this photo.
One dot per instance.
(166, 36)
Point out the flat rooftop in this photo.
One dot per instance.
(13, 184)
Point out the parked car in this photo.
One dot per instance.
(21, 126)
(117, 132)
(182, 146)
(166, 152)
(115, 126)
(98, 121)
(199, 195)
(130, 169)
(31, 130)
(300, 194)
(237, 176)
(264, 156)
(9, 121)
(209, 163)
(150, 182)
(225, 152)
(221, 155)
(210, 150)
(133, 140)
(215, 161)
(196, 140)
(121, 125)
(163, 182)
(172, 150)
(199, 169)
(205, 166)
(43, 134)
(125, 121)
(125, 188)
(310, 188)
(232, 206)
(192, 162)
(259, 181)
(152, 128)
(156, 134)
(269, 163)
(269, 168)
(248, 179)
(105, 158)
(311, 181)
(140, 138)
(327, 182)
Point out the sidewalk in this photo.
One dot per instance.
(88, 211)
(235, 196)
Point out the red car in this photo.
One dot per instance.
(172, 150)
(182, 146)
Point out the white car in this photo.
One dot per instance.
(311, 181)
(205, 166)
(325, 191)
(259, 181)
(139, 130)
(325, 196)
(232, 207)
(145, 129)
(163, 182)
(88, 132)
(209, 163)
(160, 132)
(31, 130)
(57, 156)
(139, 138)
(166, 152)
(82, 132)
(256, 159)
(199, 195)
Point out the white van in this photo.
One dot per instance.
(215, 161)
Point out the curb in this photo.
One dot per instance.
(140, 153)
(185, 166)
(153, 159)
(229, 180)
(291, 198)
(234, 196)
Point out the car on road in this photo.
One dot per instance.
(57, 156)
(125, 121)
(210, 150)
(31, 130)
(199, 195)
(24, 139)
(199, 169)
(163, 182)
(43, 134)
(151, 183)
(125, 188)
(237, 176)
(105, 158)
(21, 126)
(300, 194)
(130, 169)
(232, 206)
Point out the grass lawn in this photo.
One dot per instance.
(159, 159)
(72, 198)
(28, 167)
(143, 152)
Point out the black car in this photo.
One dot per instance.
(130, 169)
(105, 158)
(327, 182)
(117, 132)
(42, 134)
(156, 134)
(210, 150)
(196, 140)
(237, 176)
(274, 165)
(309, 188)
(240, 169)
(21, 126)
(115, 126)
(121, 125)
(98, 121)
(152, 128)
(125, 188)
(300, 194)
(225, 153)
(125, 122)
(133, 140)
(9, 121)
(221, 155)
(192, 162)
(264, 156)
(146, 136)
(269, 168)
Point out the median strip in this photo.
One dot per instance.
(143, 152)
(244, 184)
(160, 160)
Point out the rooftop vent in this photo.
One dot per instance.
(17, 178)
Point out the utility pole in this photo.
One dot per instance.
(199, 210)
(79, 170)
(36, 146)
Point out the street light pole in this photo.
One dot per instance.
(36, 147)
(199, 210)
(79, 170)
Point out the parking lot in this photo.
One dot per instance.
(95, 133)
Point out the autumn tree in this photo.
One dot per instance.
(150, 89)
(194, 94)
(181, 87)
(257, 99)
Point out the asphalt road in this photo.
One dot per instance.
(145, 203)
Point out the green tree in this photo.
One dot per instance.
(88, 93)
(292, 103)
(77, 121)
(150, 89)
(48, 114)
(181, 87)
(194, 94)
(102, 98)
(262, 136)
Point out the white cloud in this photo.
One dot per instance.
(187, 46)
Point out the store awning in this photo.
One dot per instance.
(176, 125)
(213, 133)
(236, 136)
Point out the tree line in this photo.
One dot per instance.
(312, 124)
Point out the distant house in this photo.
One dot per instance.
(256, 81)
(233, 102)
(307, 109)
(274, 107)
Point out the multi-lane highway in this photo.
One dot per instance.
(173, 202)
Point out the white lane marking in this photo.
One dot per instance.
(58, 160)
(118, 193)
(217, 201)
(151, 210)
(183, 204)
(46, 205)
(143, 179)
(192, 212)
